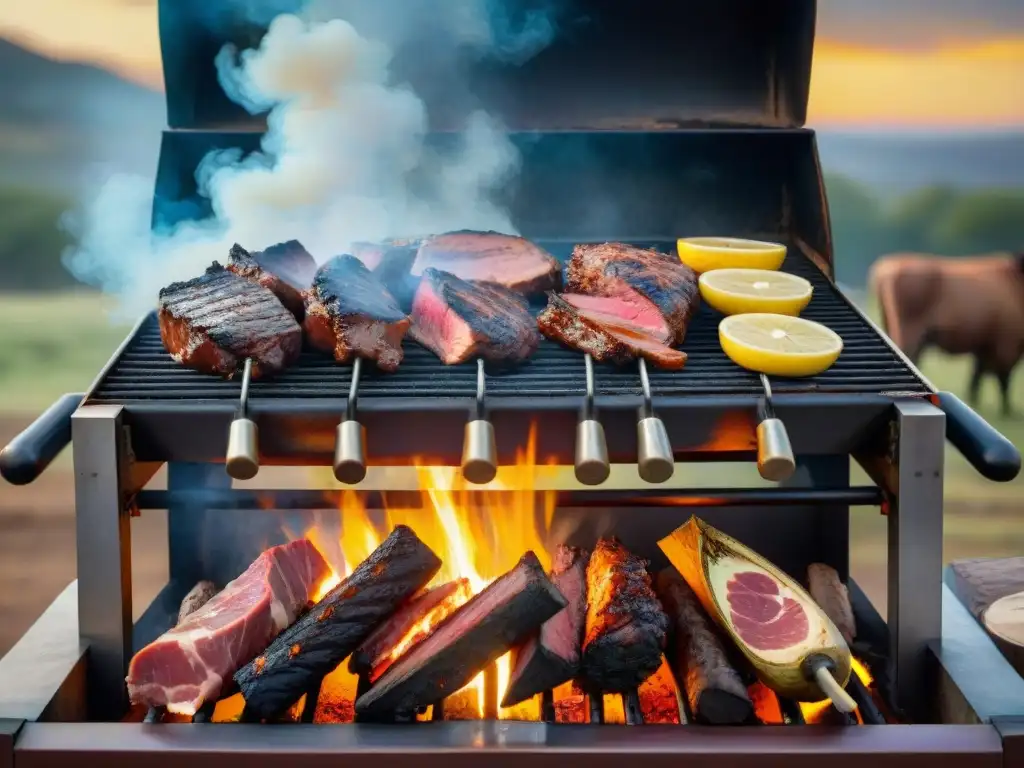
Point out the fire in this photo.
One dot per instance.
(478, 536)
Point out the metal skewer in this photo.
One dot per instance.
(479, 448)
(243, 457)
(350, 437)
(821, 669)
(655, 460)
(775, 460)
(592, 466)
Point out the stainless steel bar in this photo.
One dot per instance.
(103, 536)
(915, 550)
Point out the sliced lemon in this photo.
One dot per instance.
(735, 291)
(779, 345)
(703, 254)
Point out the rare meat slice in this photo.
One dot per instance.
(645, 277)
(350, 314)
(190, 664)
(458, 319)
(506, 260)
(626, 625)
(603, 335)
(551, 656)
(215, 321)
(286, 269)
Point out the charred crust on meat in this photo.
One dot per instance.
(346, 287)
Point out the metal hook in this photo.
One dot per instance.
(350, 437)
(242, 460)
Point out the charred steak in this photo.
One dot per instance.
(350, 314)
(391, 260)
(648, 279)
(215, 321)
(189, 664)
(286, 269)
(602, 334)
(457, 320)
(511, 262)
(626, 626)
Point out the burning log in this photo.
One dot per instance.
(830, 594)
(314, 645)
(714, 690)
(794, 647)
(551, 656)
(407, 627)
(476, 635)
(625, 626)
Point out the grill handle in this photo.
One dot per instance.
(34, 449)
(988, 451)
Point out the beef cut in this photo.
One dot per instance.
(626, 626)
(287, 269)
(648, 279)
(603, 335)
(551, 656)
(506, 260)
(457, 319)
(215, 321)
(350, 314)
(190, 664)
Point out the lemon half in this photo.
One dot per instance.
(779, 345)
(703, 254)
(734, 291)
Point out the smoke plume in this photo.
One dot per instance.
(338, 162)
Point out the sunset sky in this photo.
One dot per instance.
(915, 63)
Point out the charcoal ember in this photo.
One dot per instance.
(626, 626)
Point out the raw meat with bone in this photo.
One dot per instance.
(457, 320)
(350, 314)
(646, 278)
(603, 336)
(215, 321)
(190, 664)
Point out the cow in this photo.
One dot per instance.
(964, 306)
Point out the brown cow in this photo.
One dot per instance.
(963, 306)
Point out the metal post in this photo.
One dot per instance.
(915, 550)
(103, 534)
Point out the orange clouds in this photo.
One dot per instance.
(975, 85)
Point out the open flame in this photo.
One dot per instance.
(478, 538)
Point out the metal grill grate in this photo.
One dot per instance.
(145, 372)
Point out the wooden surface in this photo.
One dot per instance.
(992, 589)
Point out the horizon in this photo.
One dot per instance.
(926, 65)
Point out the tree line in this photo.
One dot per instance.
(865, 224)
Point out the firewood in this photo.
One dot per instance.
(1004, 621)
(551, 656)
(980, 582)
(315, 644)
(462, 645)
(831, 595)
(371, 658)
(713, 688)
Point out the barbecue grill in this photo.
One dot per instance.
(692, 126)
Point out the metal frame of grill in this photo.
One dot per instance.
(737, 138)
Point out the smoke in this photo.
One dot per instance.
(344, 158)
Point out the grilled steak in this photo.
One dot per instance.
(214, 322)
(189, 664)
(652, 280)
(457, 319)
(286, 269)
(603, 335)
(391, 260)
(626, 625)
(350, 314)
(490, 257)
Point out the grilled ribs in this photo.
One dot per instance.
(350, 314)
(215, 321)
(490, 257)
(286, 269)
(603, 334)
(626, 626)
(457, 320)
(653, 281)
